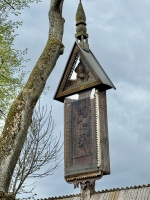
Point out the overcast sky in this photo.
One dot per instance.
(119, 37)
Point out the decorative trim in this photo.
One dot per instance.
(67, 118)
(86, 176)
(97, 116)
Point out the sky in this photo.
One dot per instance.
(119, 33)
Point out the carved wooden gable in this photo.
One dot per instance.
(79, 74)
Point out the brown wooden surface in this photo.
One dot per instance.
(104, 140)
(68, 87)
(83, 145)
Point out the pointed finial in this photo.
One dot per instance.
(81, 27)
(80, 14)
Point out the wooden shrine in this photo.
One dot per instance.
(82, 89)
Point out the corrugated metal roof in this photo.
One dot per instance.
(132, 193)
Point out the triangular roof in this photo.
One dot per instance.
(101, 79)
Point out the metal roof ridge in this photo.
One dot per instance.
(126, 188)
(98, 192)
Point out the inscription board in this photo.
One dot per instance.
(83, 142)
(81, 132)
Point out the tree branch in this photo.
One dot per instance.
(20, 115)
(40, 149)
(9, 4)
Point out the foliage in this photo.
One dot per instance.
(40, 155)
(12, 61)
(14, 6)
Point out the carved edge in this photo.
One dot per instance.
(97, 129)
(93, 130)
(67, 117)
(65, 156)
(85, 176)
(79, 88)
(102, 105)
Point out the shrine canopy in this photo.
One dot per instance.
(82, 71)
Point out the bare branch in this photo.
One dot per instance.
(2, 112)
(41, 149)
(9, 4)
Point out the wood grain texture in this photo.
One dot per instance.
(104, 140)
(86, 146)
(66, 87)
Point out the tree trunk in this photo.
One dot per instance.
(20, 114)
